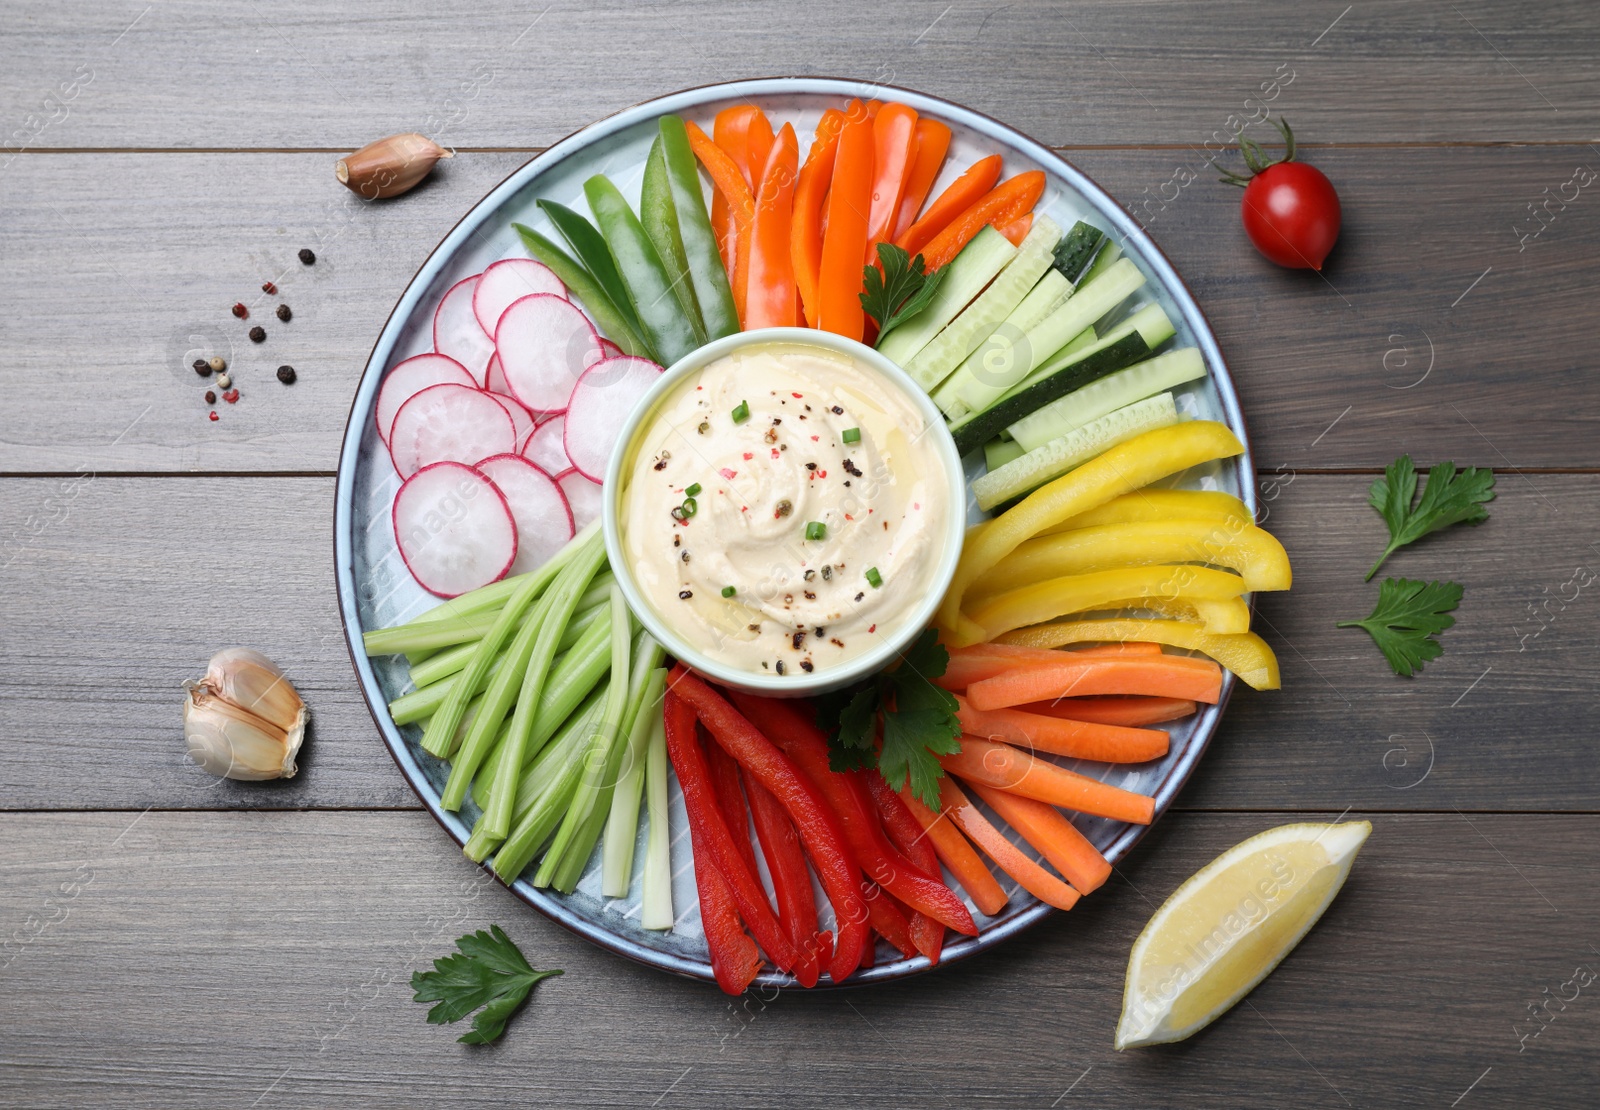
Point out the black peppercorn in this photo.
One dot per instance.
(805, 665)
(685, 595)
(306, 256)
(284, 313)
(286, 375)
(211, 397)
(780, 666)
(258, 334)
(202, 367)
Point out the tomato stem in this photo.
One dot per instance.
(1256, 160)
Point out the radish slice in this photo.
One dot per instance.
(610, 349)
(449, 423)
(406, 379)
(495, 378)
(600, 405)
(509, 281)
(583, 497)
(547, 449)
(544, 523)
(543, 341)
(456, 332)
(521, 418)
(454, 528)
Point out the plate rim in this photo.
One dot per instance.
(1122, 222)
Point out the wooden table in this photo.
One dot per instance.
(170, 940)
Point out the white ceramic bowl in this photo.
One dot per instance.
(892, 643)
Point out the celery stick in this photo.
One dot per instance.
(563, 598)
(656, 908)
(452, 660)
(622, 823)
(421, 704)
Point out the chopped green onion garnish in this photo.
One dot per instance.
(690, 506)
(742, 412)
(692, 491)
(816, 530)
(874, 578)
(728, 591)
(851, 435)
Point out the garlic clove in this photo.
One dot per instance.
(254, 683)
(233, 743)
(390, 166)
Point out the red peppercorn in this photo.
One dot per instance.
(268, 288)
(212, 414)
(231, 396)
(240, 310)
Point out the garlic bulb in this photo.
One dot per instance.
(389, 167)
(243, 719)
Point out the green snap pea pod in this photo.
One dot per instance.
(582, 284)
(590, 246)
(645, 275)
(711, 289)
(660, 219)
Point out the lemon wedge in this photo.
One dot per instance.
(1229, 925)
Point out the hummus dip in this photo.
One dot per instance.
(783, 510)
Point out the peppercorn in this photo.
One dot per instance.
(286, 375)
(805, 665)
(240, 310)
(268, 288)
(780, 666)
(216, 363)
(211, 396)
(306, 256)
(202, 367)
(212, 414)
(258, 334)
(224, 381)
(685, 595)
(284, 313)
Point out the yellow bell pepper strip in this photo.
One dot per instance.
(805, 234)
(933, 143)
(1078, 593)
(1246, 655)
(844, 240)
(1230, 617)
(1159, 504)
(730, 185)
(894, 137)
(1124, 468)
(769, 295)
(1231, 542)
(960, 195)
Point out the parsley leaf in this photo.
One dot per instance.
(854, 749)
(1450, 497)
(488, 971)
(1408, 615)
(903, 288)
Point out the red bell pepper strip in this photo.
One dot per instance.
(888, 920)
(730, 184)
(933, 143)
(735, 961)
(869, 954)
(791, 878)
(802, 741)
(844, 240)
(962, 194)
(894, 140)
(730, 798)
(705, 817)
(906, 834)
(769, 295)
(819, 828)
(805, 234)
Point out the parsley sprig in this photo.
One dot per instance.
(903, 288)
(1408, 615)
(919, 722)
(1450, 497)
(488, 971)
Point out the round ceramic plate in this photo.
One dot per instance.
(376, 591)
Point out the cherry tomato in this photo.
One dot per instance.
(1290, 210)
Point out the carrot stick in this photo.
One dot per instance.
(1001, 205)
(1130, 712)
(894, 138)
(972, 664)
(1017, 230)
(805, 235)
(957, 855)
(962, 194)
(730, 184)
(769, 295)
(907, 835)
(1032, 878)
(1012, 769)
(1052, 836)
(844, 242)
(1059, 736)
(933, 143)
(1175, 676)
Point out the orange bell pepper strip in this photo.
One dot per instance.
(745, 133)
(730, 184)
(770, 287)
(894, 137)
(805, 233)
(721, 219)
(1017, 230)
(933, 143)
(962, 194)
(1000, 206)
(844, 242)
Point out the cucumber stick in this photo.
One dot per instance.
(998, 452)
(1042, 342)
(1109, 253)
(1077, 250)
(1073, 449)
(998, 351)
(1112, 392)
(971, 270)
(966, 333)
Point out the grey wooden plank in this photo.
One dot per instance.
(136, 581)
(237, 959)
(101, 321)
(298, 74)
